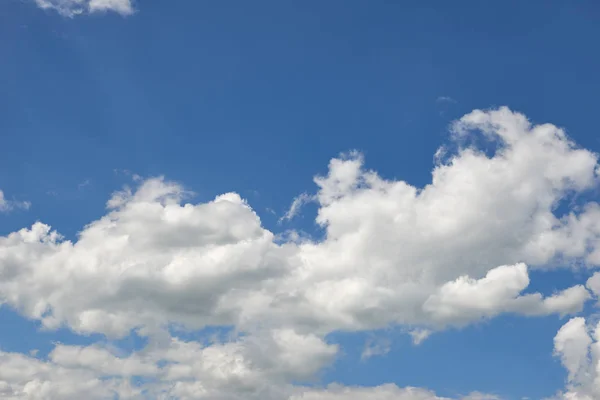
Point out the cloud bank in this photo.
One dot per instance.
(451, 253)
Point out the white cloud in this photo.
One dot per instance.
(384, 392)
(10, 205)
(376, 347)
(71, 8)
(393, 254)
(187, 372)
(419, 335)
(296, 206)
(445, 99)
(593, 284)
(499, 291)
(257, 367)
(25, 377)
(101, 361)
(578, 347)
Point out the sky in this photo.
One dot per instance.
(299, 200)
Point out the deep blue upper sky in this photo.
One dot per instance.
(256, 97)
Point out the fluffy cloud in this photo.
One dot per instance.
(257, 367)
(578, 346)
(149, 261)
(392, 254)
(71, 8)
(26, 377)
(498, 292)
(187, 371)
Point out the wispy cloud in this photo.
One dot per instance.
(445, 99)
(72, 8)
(84, 184)
(418, 335)
(376, 347)
(296, 206)
(10, 205)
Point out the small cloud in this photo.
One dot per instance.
(134, 177)
(375, 347)
(439, 155)
(419, 335)
(296, 206)
(10, 205)
(445, 99)
(83, 184)
(73, 8)
(33, 352)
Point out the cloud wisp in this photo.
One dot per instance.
(72, 8)
(8, 205)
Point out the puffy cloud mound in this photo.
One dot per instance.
(448, 254)
(578, 346)
(71, 8)
(190, 372)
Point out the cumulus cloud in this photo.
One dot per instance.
(186, 372)
(257, 367)
(593, 284)
(392, 254)
(71, 8)
(156, 262)
(578, 347)
(26, 377)
(499, 291)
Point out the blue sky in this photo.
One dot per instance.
(256, 98)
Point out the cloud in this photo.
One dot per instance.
(577, 346)
(72, 8)
(392, 254)
(84, 184)
(499, 291)
(10, 205)
(445, 99)
(186, 372)
(376, 347)
(384, 392)
(419, 335)
(26, 377)
(593, 284)
(296, 206)
(246, 368)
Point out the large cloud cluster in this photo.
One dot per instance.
(448, 254)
